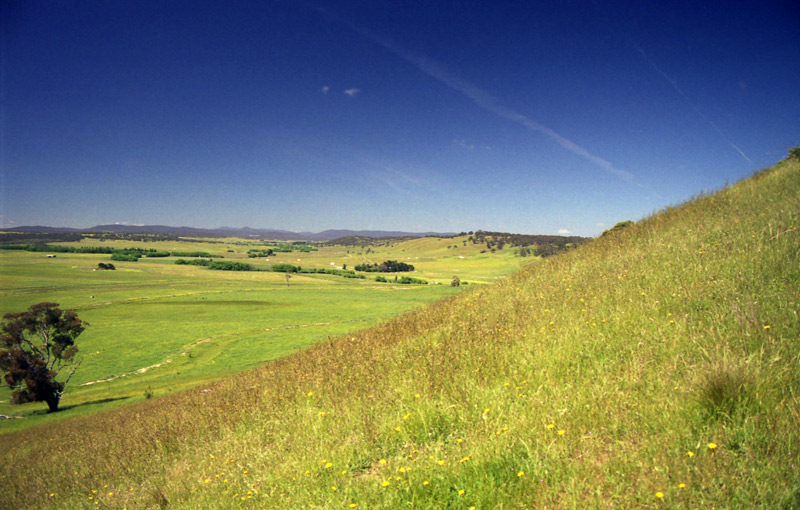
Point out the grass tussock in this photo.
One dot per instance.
(656, 367)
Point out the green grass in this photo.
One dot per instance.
(596, 379)
(157, 327)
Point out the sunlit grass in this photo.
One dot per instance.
(656, 368)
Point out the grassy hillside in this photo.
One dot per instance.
(654, 368)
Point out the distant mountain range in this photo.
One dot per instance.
(257, 233)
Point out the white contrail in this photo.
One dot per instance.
(688, 101)
(479, 96)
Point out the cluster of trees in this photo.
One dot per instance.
(194, 262)
(142, 238)
(126, 255)
(119, 254)
(338, 272)
(390, 266)
(539, 245)
(286, 268)
(195, 254)
(105, 267)
(227, 265)
(260, 253)
(41, 247)
(405, 280)
(364, 241)
(301, 246)
(39, 237)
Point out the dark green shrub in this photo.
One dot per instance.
(226, 265)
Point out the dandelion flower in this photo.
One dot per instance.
(521, 474)
(352, 505)
(690, 453)
(562, 432)
(681, 485)
(461, 492)
(382, 461)
(712, 446)
(426, 483)
(334, 488)
(385, 483)
(767, 326)
(551, 426)
(659, 495)
(328, 465)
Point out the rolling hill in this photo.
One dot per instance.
(655, 367)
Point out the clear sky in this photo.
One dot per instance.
(530, 117)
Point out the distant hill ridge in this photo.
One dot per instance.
(283, 235)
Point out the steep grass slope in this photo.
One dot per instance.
(655, 368)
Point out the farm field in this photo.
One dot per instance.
(157, 327)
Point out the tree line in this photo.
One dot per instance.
(119, 254)
(390, 266)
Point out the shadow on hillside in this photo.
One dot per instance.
(93, 402)
(73, 406)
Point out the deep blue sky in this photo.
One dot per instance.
(530, 117)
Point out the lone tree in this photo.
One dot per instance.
(37, 345)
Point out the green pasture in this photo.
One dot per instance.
(157, 327)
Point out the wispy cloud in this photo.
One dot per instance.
(352, 92)
(563, 231)
(480, 97)
(680, 92)
(604, 15)
(325, 89)
(398, 178)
